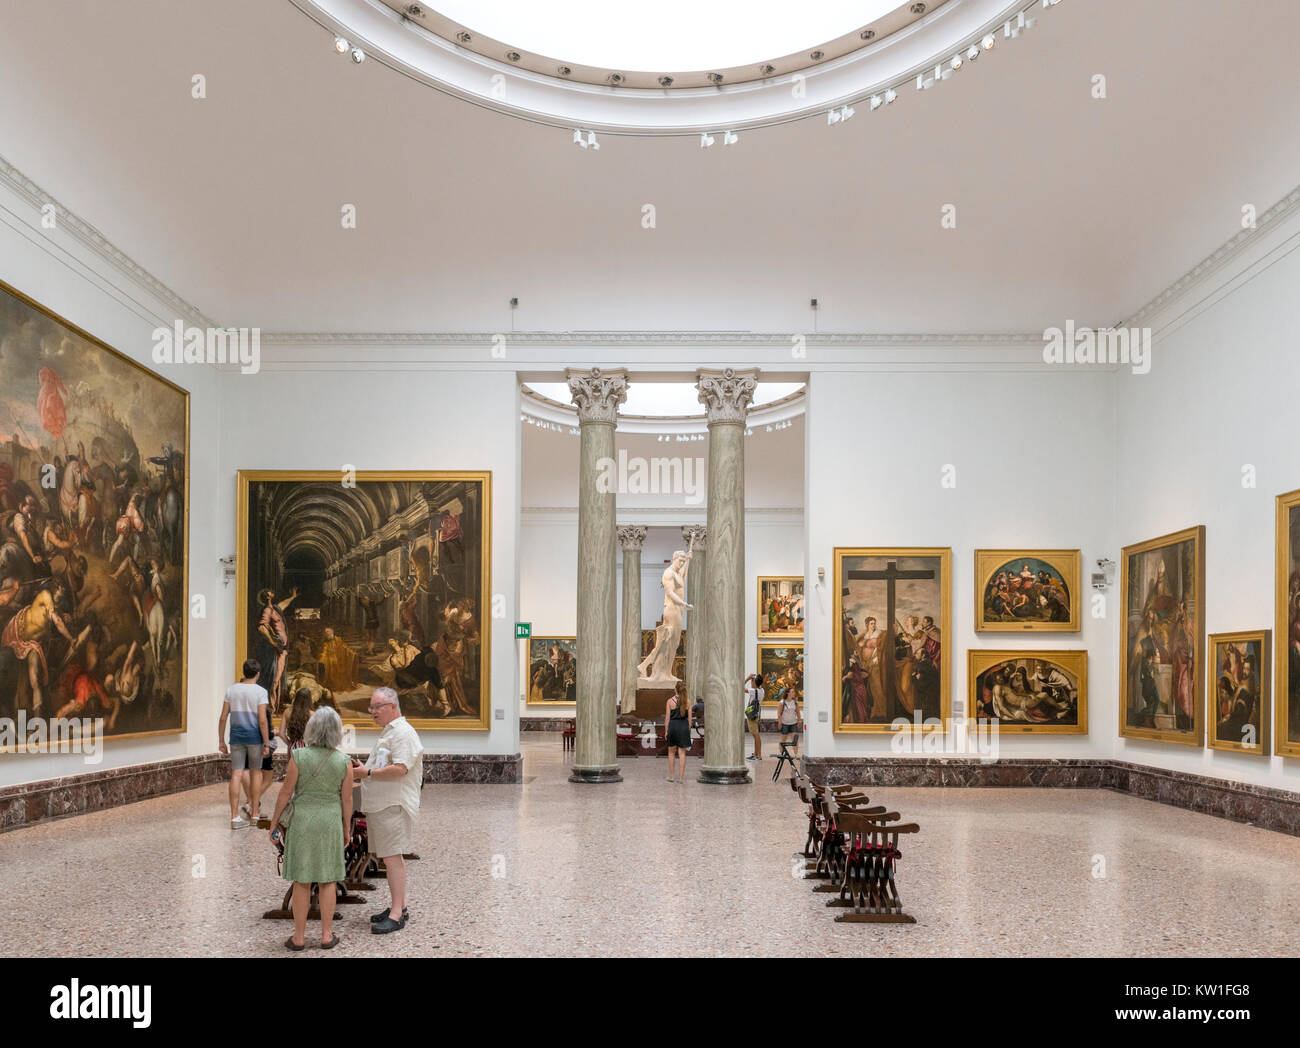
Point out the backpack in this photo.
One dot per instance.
(755, 704)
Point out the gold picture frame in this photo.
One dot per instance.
(372, 566)
(769, 696)
(1173, 639)
(762, 622)
(1061, 713)
(871, 685)
(1286, 627)
(1231, 705)
(571, 646)
(1065, 563)
(123, 418)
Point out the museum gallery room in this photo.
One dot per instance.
(702, 479)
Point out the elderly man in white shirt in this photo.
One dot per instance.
(390, 796)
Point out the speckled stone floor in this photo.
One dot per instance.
(645, 867)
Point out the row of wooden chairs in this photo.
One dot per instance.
(852, 846)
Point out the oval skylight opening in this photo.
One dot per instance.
(663, 34)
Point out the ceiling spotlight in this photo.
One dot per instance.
(876, 102)
(341, 45)
(988, 42)
(463, 37)
(591, 140)
(768, 69)
(923, 82)
(837, 116)
(972, 52)
(918, 9)
(890, 95)
(587, 140)
(615, 78)
(358, 55)
(665, 81)
(577, 137)
(563, 70)
(868, 34)
(706, 140)
(730, 138)
(715, 78)
(817, 56)
(414, 10)
(513, 56)
(832, 117)
(956, 62)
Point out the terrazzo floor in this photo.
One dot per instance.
(648, 868)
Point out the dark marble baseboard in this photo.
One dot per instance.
(31, 802)
(480, 769)
(1263, 806)
(546, 723)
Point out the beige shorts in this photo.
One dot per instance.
(388, 831)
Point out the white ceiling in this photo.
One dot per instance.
(1067, 207)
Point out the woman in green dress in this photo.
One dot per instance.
(320, 785)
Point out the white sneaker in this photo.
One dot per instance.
(240, 823)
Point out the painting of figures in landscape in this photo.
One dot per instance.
(782, 668)
(1287, 625)
(352, 581)
(1239, 691)
(1038, 692)
(679, 659)
(93, 520)
(1163, 587)
(780, 607)
(1022, 590)
(892, 607)
(552, 669)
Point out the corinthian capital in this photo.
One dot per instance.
(694, 535)
(630, 538)
(726, 394)
(597, 393)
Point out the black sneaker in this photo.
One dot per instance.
(376, 918)
(389, 925)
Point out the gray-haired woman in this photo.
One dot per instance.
(317, 780)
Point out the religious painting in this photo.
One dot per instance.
(780, 607)
(1162, 638)
(1029, 692)
(324, 605)
(94, 521)
(892, 611)
(1287, 626)
(782, 668)
(552, 670)
(1239, 712)
(1018, 590)
(679, 659)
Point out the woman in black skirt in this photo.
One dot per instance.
(677, 730)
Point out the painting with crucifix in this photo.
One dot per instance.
(892, 609)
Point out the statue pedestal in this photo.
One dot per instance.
(652, 702)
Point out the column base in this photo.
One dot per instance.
(724, 776)
(610, 774)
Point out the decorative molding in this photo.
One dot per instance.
(68, 221)
(1219, 259)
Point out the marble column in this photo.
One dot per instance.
(597, 395)
(630, 540)
(697, 618)
(726, 396)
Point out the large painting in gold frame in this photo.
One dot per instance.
(1237, 699)
(111, 537)
(1162, 639)
(1029, 692)
(1023, 590)
(369, 578)
(780, 607)
(1286, 569)
(882, 673)
(782, 668)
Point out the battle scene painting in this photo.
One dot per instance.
(1025, 590)
(892, 607)
(93, 526)
(351, 581)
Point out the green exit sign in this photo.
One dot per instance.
(523, 630)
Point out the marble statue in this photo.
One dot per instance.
(656, 669)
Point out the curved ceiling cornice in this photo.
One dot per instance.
(545, 409)
(389, 35)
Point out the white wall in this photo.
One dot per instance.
(1221, 395)
(302, 416)
(60, 273)
(1034, 452)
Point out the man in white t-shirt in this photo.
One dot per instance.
(250, 741)
(390, 796)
